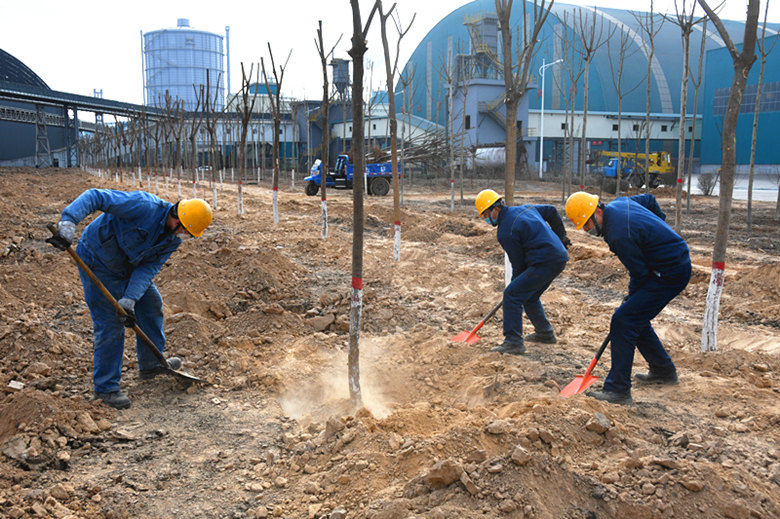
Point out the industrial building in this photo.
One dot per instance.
(467, 39)
(719, 73)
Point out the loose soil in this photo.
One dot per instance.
(445, 429)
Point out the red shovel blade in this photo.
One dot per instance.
(578, 385)
(467, 337)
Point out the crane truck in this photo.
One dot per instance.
(632, 167)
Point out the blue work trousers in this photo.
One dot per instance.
(109, 332)
(523, 293)
(631, 327)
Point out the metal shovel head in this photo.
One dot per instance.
(467, 337)
(185, 377)
(578, 385)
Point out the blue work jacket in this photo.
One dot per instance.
(129, 239)
(635, 230)
(525, 235)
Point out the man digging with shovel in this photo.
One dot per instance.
(659, 266)
(535, 240)
(125, 247)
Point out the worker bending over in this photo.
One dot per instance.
(125, 247)
(535, 240)
(659, 267)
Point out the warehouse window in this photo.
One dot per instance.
(663, 127)
(614, 127)
(770, 99)
(636, 127)
(468, 122)
(563, 126)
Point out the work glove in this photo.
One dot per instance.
(128, 305)
(566, 242)
(66, 231)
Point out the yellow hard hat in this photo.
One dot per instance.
(485, 199)
(195, 215)
(580, 207)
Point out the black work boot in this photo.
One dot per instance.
(115, 399)
(658, 377)
(542, 337)
(511, 346)
(613, 397)
(149, 374)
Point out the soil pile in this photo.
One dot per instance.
(261, 310)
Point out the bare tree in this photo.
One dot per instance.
(592, 36)
(686, 22)
(245, 111)
(391, 69)
(197, 119)
(574, 68)
(326, 98)
(275, 100)
(357, 51)
(696, 84)
(764, 52)
(407, 80)
(743, 61)
(516, 76)
(649, 32)
(211, 122)
(624, 52)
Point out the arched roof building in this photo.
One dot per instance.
(429, 58)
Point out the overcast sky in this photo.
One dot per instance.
(80, 45)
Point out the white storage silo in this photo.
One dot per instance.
(177, 59)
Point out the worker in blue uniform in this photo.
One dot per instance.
(125, 247)
(535, 241)
(659, 268)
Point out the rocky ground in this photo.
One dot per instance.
(260, 310)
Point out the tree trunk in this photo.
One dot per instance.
(681, 140)
(742, 64)
(581, 151)
(357, 52)
(511, 150)
(753, 146)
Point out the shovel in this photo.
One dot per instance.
(583, 382)
(472, 337)
(181, 375)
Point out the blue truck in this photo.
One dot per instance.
(378, 176)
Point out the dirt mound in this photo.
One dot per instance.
(443, 429)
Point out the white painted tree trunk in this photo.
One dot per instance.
(507, 270)
(214, 195)
(324, 212)
(292, 176)
(452, 194)
(194, 188)
(231, 174)
(397, 242)
(168, 176)
(276, 206)
(355, 317)
(709, 330)
(157, 185)
(240, 198)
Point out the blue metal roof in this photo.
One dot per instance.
(667, 62)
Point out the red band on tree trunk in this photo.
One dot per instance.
(720, 265)
(357, 283)
(397, 222)
(323, 199)
(679, 181)
(276, 189)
